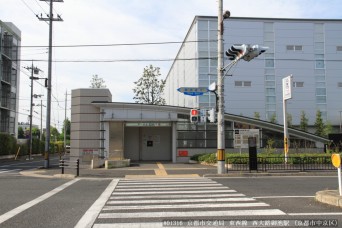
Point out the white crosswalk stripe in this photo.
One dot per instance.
(10, 171)
(147, 203)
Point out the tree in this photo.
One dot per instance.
(21, 134)
(35, 132)
(273, 118)
(67, 123)
(289, 120)
(97, 82)
(304, 122)
(54, 134)
(319, 124)
(149, 89)
(257, 115)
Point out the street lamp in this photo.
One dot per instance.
(235, 53)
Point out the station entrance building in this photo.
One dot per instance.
(112, 130)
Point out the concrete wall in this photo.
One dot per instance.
(85, 135)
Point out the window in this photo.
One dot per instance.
(339, 48)
(294, 47)
(339, 84)
(298, 84)
(269, 63)
(319, 64)
(243, 83)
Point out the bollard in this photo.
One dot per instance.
(62, 165)
(78, 168)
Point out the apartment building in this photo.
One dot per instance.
(10, 37)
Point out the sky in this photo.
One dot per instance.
(94, 22)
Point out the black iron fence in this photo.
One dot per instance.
(265, 164)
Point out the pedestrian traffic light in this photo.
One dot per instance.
(212, 115)
(194, 116)
(236, 51)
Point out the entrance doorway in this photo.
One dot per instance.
(148, 143)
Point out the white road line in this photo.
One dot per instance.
(171, 192)
(279, 197)
(183, 206)
(130, 225)
(315, 214)
(180, 201)
(167, 185)
(10, 170)
(41, 198)
(91, 214)
(176, 196)
(191, 214)
(170, 188)
(165, 180)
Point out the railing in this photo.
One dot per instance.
(71, 165)
(265, 164)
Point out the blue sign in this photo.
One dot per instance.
(193, 91)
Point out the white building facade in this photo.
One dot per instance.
(310, 50)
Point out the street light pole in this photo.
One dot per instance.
(31, 107)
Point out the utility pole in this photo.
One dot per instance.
(220, 87)
(41, 119)
(49, 18)
(65, 118)
(34, 70)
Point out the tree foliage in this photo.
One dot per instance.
(257, 115)
(97, 82)
(148, 89)
(21, 134)
(304, 122)
(319, 124)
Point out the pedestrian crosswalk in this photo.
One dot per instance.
(154, 202)
(10, 171)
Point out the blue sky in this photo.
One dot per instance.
(122, 21)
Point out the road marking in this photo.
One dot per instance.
(181, 201)
(191, 214)
(155, 176)
(171, 192)
(9, 170)
(177, 196)
(170, 188)
(41, 198)
(183, 206)
(166, 185)
(130, 225)
(279, 197)
(319, 213)
(91, 214)
(159, 180)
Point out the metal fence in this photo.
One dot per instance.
(265, 164)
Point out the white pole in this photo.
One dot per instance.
(339, 180)
(220, 87)
(286, 137)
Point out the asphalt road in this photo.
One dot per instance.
(106, 202)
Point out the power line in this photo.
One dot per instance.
(122, 44)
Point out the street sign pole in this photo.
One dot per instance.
(336, 161)
(287, 94)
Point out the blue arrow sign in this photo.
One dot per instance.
(193, 91)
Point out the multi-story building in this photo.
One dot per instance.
(10, 37)
(308, 49)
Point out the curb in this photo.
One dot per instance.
(331, 197)
(240, 174)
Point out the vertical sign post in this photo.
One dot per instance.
(287, 94)
(336, 161)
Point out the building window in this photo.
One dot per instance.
(339, 48)
(243, 83)
(294, 47)
(298, 84)
(339, 84)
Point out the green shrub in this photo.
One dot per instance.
(8, 144)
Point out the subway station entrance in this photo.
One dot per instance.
(148, 143)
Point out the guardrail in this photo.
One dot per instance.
(265, 164)
(63, 164)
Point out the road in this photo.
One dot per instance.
(100, 203)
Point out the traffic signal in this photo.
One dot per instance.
(236, 51)
(194, 116)
(212, 115)
(253, 51)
